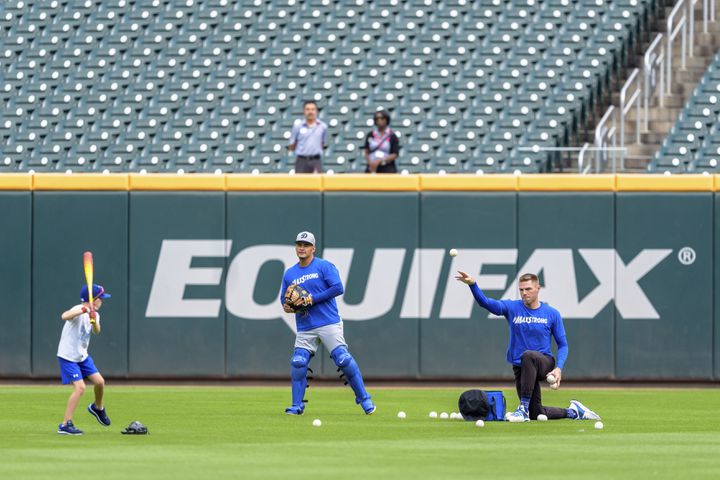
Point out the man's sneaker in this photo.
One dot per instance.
(69, 429)
(583, 413)
(368, 406)
(100, 415)
(519, 415)
(294, 410)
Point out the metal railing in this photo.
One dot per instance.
(654, 83)
(653, 76)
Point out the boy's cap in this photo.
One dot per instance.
(306, 237)
(98, 292)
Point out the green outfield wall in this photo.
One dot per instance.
(194, 267)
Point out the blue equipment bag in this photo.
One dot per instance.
(482, 405)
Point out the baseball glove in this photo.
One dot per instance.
(298, 298)
(135, 428)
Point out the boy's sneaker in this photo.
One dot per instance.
(583, 413)
(100, 415)
(519, 415)
(368, 406)
(69, 429)
(295, 410)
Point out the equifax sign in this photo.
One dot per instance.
(616, 280)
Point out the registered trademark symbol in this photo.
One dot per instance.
(686, 256)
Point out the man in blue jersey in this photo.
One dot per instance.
(532, 326)
(320, 323)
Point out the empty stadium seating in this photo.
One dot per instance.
(215, 85)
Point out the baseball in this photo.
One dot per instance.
(453, 252)
(554, 386)
(401, 414)
(599, 425)
(433, 414)
(542, 418)
(551, 378)
(317, 422)
(443, 415)
(479, 423)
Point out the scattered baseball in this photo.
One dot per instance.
(433, 414)
(443, 415)
(453, 252)
(599, 425)
(554, 386)
(479, 423)
(507, 416)
(401, 415)
(542, 418)
(551, 378)
(460, 417)
(317, 422)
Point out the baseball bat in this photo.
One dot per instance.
(88, 266)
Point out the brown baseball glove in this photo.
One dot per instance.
(298, 298)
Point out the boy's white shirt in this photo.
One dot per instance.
(75, 337)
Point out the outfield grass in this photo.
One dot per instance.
(241, 432)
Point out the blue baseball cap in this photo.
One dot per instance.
(98, 292)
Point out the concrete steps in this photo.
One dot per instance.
(661, 119)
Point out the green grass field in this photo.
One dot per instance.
(241, 432)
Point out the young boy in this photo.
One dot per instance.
(76, 363)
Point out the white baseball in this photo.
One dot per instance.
(401, 415)
(453, 252)
(554, 386)
(317, 422)
(551, 378)
(433, 414)
(479, 423)
(443, 415)
(599, 426)
(542, 418)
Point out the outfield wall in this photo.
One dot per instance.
(194, 264)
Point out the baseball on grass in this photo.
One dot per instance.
(599, 425)
(479, 423)
(317, 422)
(443, 415)
(542, 418)
(401, 414)
(551, 378)
(453, 252)
(433, 414)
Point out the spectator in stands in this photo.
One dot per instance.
(308, 140)
(381, 146)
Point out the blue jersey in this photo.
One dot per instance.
(322, 281)
(530, 329)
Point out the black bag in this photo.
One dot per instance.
(482, 405)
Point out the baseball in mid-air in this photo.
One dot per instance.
(317, 422)
(453, 252)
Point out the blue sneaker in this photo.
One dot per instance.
(295, 410)
(368, 406)
(69, 429)
(100, 415)
(583, 413)
(519, 415)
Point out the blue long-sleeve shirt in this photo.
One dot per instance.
(530, 329)
(322, 280)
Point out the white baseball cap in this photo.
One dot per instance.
(306, 237)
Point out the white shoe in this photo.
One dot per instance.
(583, 413)
(519, 415)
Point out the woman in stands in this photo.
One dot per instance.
(381, 146)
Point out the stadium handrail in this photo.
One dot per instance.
(360, 182)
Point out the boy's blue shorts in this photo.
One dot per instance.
(74, 371)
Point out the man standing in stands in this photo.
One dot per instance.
(308, 140)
